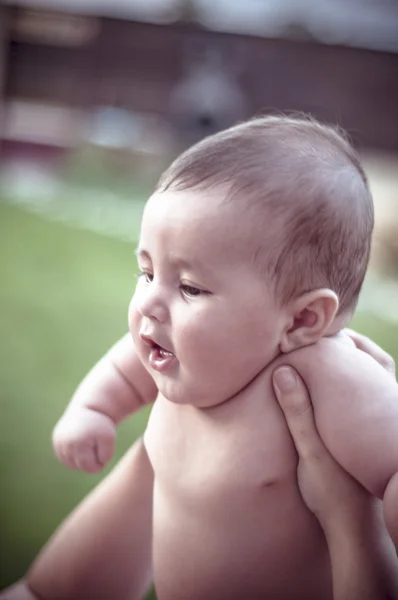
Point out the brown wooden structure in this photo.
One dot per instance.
(104, 61)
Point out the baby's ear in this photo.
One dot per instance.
(311, 315)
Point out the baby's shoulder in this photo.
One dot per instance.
(336, 363)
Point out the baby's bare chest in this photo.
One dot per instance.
(226, 506)
(241, 445)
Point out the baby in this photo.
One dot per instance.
(252, 253)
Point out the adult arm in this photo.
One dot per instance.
(103, 549)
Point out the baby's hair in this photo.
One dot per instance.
(309, 184)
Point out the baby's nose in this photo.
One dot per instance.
(152, 303)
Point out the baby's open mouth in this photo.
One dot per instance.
(163, 353)
(160, 359)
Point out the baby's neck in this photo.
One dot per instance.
(337, 325)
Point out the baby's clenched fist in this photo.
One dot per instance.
(84, 439)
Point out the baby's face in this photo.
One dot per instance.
(204, 320)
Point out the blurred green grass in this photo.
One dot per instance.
(64, 295)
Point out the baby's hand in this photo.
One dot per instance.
(84, 439)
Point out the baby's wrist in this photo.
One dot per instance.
(91, 410)
(78, 412)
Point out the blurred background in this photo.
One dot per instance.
(96, 98)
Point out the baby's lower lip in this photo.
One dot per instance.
(160, 359)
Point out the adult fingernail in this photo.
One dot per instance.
(285, 379)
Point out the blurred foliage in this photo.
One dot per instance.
(63, 301)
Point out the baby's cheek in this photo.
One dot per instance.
(133, 317)
(191, 347)
(205, 348)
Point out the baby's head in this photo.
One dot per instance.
(304, 187)
(284, 198)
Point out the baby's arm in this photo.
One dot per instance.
(356, 409)
(118, 385)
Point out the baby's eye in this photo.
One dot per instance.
(191, 291)
(146, 276)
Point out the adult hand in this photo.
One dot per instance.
(363, 559)
(329, 492)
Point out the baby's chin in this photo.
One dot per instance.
(185, 394)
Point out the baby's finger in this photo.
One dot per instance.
(64, 456)
(105, 450)
(296, 404)
(367, 345)
(86, 460)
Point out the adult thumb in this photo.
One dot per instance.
(295, 402)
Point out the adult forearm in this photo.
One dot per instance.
(390, 505)
(364, 563)
(103, 550)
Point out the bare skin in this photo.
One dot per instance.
(103, 549)
(208, 328)
(256, 436)
(239, 454)
(358, 561)
(363, 568)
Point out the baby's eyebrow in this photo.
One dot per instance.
(141, 253)
(176, 261)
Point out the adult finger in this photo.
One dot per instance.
(367, 345)
(295, 402)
